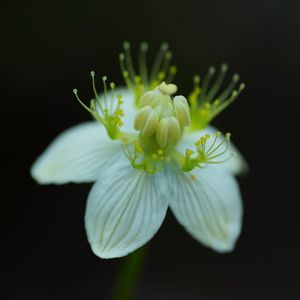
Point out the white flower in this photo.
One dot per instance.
(148, 151)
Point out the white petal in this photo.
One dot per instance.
(236, 164)
(76, 155)
(207, 203)
(125, 209)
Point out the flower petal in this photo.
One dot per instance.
(236, 164)
(125, 209)
(76, 155)
(207, 203)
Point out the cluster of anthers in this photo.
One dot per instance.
(162, 118)
(207, 101)
(207, 152)
(106, 111)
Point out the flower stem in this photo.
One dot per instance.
(129, 274)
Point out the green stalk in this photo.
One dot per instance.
(129, 275)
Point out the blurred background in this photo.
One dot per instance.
(49, 47)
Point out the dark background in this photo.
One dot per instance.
(48, 48)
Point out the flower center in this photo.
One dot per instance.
(160, 118)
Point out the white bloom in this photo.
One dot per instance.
(150, 152)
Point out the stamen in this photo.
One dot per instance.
(196, 91)
(95, 90)
(228, 101)
(79, 100)
(140, 160)
(93, 83)
(104, 78)
(218, 134)
(166, 62)
(106, 112)
(205, 102)
(207, 78)
(122, 62)
(112, 87)
(214, 148)
(171, 74)
(128, 59)
(158, 61)
(196, 80)
(213, 91)
(229, 89)
(207, 156)
(125, 72)
(141, 83)
(143, 62)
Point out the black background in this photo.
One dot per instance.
(48, 48)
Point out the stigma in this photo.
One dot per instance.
(161, 117)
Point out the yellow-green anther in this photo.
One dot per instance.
(182, 110)
(165, 107)
(162, 116)
(146, 120)
(168, 131)
(150, 98)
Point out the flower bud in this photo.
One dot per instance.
(168, 131)
(182, 110)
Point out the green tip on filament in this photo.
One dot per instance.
(144, 46)
(142, 79)
(164, 46)
(126, 45)
(207, 151)
(242, 86)
(106, 111)
(121, 56)
(236, 77)
(211, 70)
(206, 99)
(224, 67)
(196, 79)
